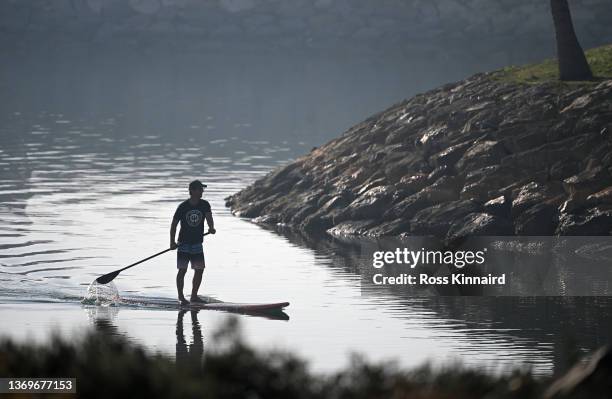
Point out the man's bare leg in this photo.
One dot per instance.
(180, 280)
(197, 280)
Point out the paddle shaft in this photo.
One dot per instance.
(150, 257)
(144, 260)
(111, 276)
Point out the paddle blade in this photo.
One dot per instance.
(107, 278)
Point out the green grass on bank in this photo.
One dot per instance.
(599, 58)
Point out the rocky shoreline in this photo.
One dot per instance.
(483, 156)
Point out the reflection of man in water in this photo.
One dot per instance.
(189, 356)
(191, 214)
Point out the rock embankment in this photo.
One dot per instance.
(482, 156)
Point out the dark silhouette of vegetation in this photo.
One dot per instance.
(572, 62)
(108, 366)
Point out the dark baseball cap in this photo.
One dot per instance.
(196, 184)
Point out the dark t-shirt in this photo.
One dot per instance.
(192, 221)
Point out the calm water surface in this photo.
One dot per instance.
(81, 197)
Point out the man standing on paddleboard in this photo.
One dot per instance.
(191, 214)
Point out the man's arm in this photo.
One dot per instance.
(211, 222)
(173, 233)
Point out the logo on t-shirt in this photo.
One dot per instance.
(194, 217)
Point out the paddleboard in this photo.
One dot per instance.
(237, 307)
(266, 309)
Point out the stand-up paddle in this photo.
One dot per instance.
(107, 278)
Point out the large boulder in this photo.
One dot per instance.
(585, 189)
(451, 155)
(444, 189)
(532, 194)
(317, 222)
(534, 162)
(412, 183)
(254, 208)
(587, 182)
(596, 221)
(406, 208)
(538, 220)
(478, 224)
(439, 172)
(601, 197)
(302, 213)
(483, 183)
(499, 206)
(390, 228)
(436, 220)
(527, 138)
(371, 204)
(481, 154)
(352, 227)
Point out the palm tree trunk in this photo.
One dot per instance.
(572, 62)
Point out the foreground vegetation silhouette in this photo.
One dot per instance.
(111, 366)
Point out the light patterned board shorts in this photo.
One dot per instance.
(187, 253)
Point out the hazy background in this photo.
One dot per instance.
(108, 108)
(265, 69)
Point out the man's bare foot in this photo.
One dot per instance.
(197, 299)
(184, 302)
